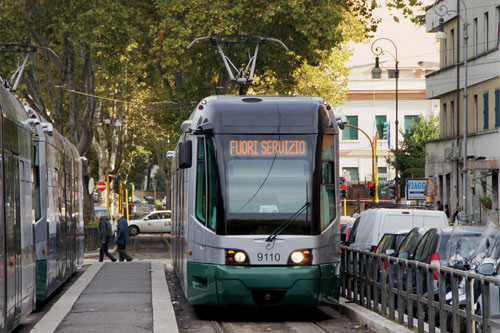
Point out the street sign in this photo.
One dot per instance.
(101, 186)
(342, 181)
(415, 189)
(430, 190)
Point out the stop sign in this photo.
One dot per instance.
(101, 186)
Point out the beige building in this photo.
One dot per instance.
(445, 157)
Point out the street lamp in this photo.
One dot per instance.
(441, 11)
(377, 51)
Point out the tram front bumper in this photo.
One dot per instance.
(263, 285)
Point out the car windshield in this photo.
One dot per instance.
(488, 245)
(410, 242)
(389, 241)
(462, 243)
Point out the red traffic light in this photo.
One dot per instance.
(370, 184)
(344, 187)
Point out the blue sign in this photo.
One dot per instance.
(342, 181)
(415, 189)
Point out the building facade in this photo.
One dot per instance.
(370, 103)
(371, 99)
(477, 24)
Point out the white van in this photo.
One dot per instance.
(372, 224)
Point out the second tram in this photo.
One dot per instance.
(255, 202)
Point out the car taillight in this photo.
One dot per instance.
(436, 262)
(374, 248)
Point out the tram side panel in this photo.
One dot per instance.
(19, 277)
(2, 228)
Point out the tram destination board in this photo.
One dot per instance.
(267, 147)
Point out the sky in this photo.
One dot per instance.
(413, 43)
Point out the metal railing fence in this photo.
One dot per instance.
(415, 294)
(92, 241)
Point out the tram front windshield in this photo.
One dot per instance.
(268, 181)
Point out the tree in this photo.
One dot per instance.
(411, 154)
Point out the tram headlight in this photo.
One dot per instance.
(297, 257)
(300, 257)
(240, 257)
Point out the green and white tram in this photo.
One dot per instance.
(255, 202)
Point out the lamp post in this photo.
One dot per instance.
(441, 11)
(377, 51)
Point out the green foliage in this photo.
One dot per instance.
(411, 157)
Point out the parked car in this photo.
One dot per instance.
(410, 242)
(438, 245)
(346, 224)
(345, 230)
(157, 221)
(391, 241)
(372, 224)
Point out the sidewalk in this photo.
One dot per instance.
(114, 297)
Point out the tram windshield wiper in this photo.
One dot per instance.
(287, 222)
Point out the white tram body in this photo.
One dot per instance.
(255, 202)
(41, 226)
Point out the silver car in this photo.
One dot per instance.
(157, 221)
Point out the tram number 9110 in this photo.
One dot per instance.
(268, 257)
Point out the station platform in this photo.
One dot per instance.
(114, 297)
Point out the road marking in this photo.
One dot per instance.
(58, 312)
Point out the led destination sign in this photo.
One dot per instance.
(267, 147)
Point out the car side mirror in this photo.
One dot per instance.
(404, 255)
(486, 269)
(185, 156)
(146, 218)
(389, 252)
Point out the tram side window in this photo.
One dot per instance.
(206, 184)
(36, 173)
(327, 199)
(201, 182)
(212, 185)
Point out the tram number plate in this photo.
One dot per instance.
(268, 257)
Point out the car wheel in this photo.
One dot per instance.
(133, 230)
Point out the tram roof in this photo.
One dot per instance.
(261, 114)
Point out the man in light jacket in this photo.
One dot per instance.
(122, 237)
(106, 233)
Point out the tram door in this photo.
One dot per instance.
(13, 239)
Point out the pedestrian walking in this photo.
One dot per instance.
(439, 206)
(122, 237)
(457, 214)
(447, 211)
(106, 233)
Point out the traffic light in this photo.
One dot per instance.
(392, 191)
(343, 192)
(372, 188)
(386, 129)
(116, 185)
(382, 188)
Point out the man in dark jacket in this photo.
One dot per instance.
(106, 233)
(122, 237)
